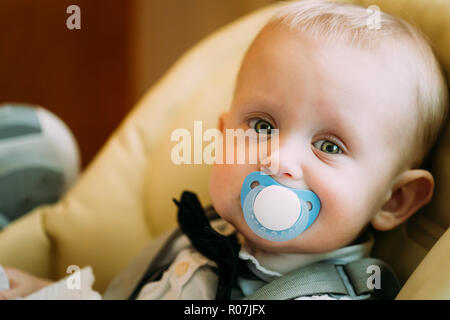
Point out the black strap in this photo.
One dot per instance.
(224, 250)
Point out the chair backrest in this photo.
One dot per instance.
(220, 55)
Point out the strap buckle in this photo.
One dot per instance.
(351, 290)
(355, 277)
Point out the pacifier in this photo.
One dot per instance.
(276, 212)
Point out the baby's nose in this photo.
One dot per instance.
(282, 167)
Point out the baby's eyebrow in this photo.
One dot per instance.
(338, 123)
(271, 108)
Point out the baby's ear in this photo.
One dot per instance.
(413, 189)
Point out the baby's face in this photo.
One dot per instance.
(343, 118)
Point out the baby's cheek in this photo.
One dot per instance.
(218, 198)
(343, 207)
(224, 189)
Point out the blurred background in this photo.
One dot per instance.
(92, 77)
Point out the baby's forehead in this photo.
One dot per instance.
(339, 68)
(354, 87)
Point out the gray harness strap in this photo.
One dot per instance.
(128, 283)
(125, 284)
(314, 279)
(350, 279)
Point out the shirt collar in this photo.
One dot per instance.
(268, 266)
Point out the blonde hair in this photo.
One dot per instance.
(334, 21)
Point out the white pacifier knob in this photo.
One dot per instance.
(277, 208)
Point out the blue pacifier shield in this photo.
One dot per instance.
(276, 212)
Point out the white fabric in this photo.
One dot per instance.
(68, 289)
(187, 278)
(4, 282)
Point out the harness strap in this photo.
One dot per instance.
(350, 279)
(359, 272)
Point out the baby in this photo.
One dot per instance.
(357, 107)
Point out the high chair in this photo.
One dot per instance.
(124, 197)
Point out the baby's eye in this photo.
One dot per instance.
(261, 126)
(327, 147)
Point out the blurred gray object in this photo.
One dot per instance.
(39, 160)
